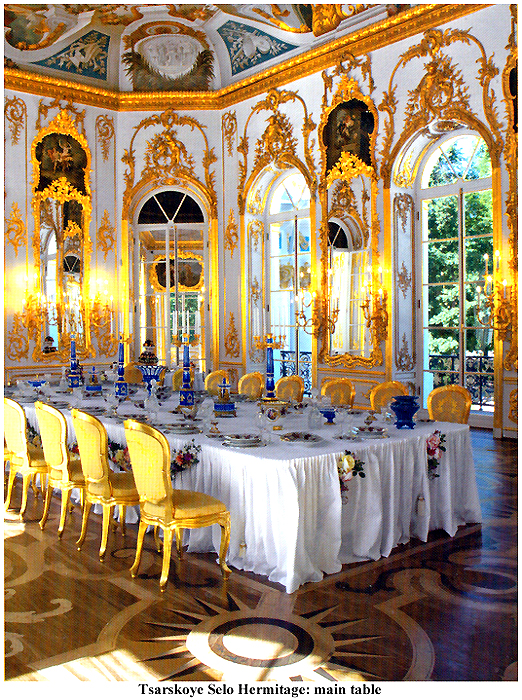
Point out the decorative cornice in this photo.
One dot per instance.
(383, 33)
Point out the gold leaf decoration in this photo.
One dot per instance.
(15, 228)
(15, 112)
(231, 234)
(231, 338)
(229, 130)
(105, 133)
(513, 406)
(255, 233)
(403, 359)
(106, 235)
(403, 280)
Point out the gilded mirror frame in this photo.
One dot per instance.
(348, 167)
(153, 273)
(62, 189)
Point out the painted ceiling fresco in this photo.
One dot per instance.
(171, 46)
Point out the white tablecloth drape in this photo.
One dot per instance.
(288, 520)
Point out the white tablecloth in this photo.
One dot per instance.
(288, 520)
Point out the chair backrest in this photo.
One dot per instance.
(213, 379)
(251, 385)
(93, 445)
(177, 378)
(290, 388)
(15, 426)
(132, 374)
(149, 454)
(53, 431)
(383, 393)
(341, 391)
(450, 403)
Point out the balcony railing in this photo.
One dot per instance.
(478, 372)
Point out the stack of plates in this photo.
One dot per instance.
(59, 404)
(372, 432)
(242, 440)
(301, 437)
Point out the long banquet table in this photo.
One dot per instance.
(288, 519)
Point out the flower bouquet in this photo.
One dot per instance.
(435, 448)
(348, 466)
(185, 458)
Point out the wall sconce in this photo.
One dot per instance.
(101, 317)
(498, 307)
(317, 319)
(375, 310)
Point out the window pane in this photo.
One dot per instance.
(480, 165)
(474, 251)
(443, 347)
(441, 173)
(442, 217)
(443, 261)
(478, 213)
(443, 305)
(479, 343)
(482, 390)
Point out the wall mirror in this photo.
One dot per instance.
(61, 242)
(349, 237)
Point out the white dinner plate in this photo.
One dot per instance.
(260, 443)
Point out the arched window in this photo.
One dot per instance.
(289, 272)
(456, 235)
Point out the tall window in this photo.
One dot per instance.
(172, 275)
(457, 232)
(290, 276)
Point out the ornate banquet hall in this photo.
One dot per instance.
(260, 342)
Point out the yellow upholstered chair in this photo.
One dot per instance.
(341, 391)
(177, 378)
(213, 379)
(451, 403)
(251, 385)
(290, 388)
(65, 471)
(102, 485)
(24, 459)
(383, 393)
(162, 506)
(132, 374)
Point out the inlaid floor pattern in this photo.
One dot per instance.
(441, 610)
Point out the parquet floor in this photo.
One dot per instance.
(441, 610)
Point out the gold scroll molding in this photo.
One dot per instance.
(168, 160)
(396, 28)
(442, 94)
(513, 406)
(104, 133)
(229, 130)
(404, 227)
(106, 234)
(232, 346)
(231, 234)
(277, 146)
(15, 111)
(15, 230)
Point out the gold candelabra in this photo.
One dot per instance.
(269, 341)
(375, 310)
(185, 339)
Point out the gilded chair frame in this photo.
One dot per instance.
(23, 458)
(284, 388)
(345, 386)
(381, 394)
(164, 498)
(64, 468)
(100, 481)
(246, 385)
(451, 412)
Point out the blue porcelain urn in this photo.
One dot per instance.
(405, 407)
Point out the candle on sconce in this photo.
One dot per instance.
(380, 276)
(497, 260)
(486, 259)
(478, 295)
(380, 294)
(489, 284)
(504, 285)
